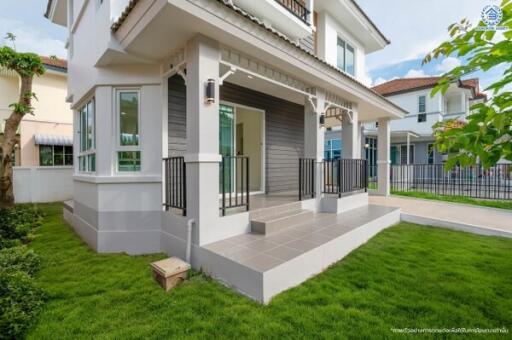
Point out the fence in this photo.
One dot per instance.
(470, 181)
(39, 184)
(175, 184)
(344, 175)
(234, 183)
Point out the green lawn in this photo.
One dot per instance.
(407, 276)
(456, 199)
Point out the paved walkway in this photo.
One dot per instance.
(481, 220)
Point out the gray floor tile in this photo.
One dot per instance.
(301, 245)
(262, 262)
(284, 253)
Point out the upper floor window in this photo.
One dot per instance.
(128, 155)
(346, 57)
(87, 131)
(422, 104)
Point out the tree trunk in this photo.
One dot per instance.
(9, 142)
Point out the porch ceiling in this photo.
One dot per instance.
(160, 27)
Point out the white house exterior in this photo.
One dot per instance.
(205, 84)
(424, 110)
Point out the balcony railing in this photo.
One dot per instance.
(297, 8)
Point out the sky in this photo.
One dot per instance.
(414, 27)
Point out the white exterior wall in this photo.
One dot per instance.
(409, 101)
(41, 184)
(328, 31)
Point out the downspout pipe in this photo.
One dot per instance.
(190, 224)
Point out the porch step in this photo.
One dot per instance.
(276, 222)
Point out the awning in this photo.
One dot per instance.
(53, 140)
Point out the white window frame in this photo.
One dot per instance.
(92, 150)
(127, 148)
(413, 158)
(345, 41)
(419, 97)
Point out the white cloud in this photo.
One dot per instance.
(416, 74)
(415, 27)
(381, 80)
(448, 64)
(29, 39)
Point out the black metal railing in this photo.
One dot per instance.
(234, 183)
(306, 178)
(175, 184)
(342, 176)
(470, 181)
(297, 8)
(372, 176)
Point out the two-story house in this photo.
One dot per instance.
(414, 132)
(46, 137)
(234, 97)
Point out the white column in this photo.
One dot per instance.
(202, 156)
(350, 136)
(383, 156)
(314, 136)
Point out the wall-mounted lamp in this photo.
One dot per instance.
(210, 91)
(322, 120)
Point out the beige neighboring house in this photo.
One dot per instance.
(46, 138)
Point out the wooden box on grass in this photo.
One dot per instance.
(170, 272)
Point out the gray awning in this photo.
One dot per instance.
(53, 140)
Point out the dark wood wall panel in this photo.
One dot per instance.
(284, 130)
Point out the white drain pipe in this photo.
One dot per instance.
(189, 238)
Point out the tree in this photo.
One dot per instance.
(486, 137)
(26, 65)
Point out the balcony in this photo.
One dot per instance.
(291, 17)
(297, 8)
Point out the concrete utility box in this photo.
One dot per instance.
(170, 272)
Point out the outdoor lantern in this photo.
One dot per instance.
(322, 120)
(210, 91)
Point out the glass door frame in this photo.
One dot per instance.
(263, 139)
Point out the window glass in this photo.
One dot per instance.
(422, 118)
(422, 107)
(86, 158)
(341, 54)
(83, 129)
(90, 125)
(350, 60)
(336, 144)
(430, 153)
(128, 161)
(45, 155)
(58, 155)
(129, 118)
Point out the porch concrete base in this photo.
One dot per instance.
(263, 266)
(335, 205)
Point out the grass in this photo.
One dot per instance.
(456, 199)
(407, 276)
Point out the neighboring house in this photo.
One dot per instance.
(233, 95)
(415, 129)
(46, 137)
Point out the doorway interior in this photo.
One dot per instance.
(242, 133)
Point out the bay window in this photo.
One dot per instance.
(128, 145)
(87, 131)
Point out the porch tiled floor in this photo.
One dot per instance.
(261, 201)
(262, 253)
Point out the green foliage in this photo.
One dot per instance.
(487, 135)
(20, 298)
(24, 63)
(406, 276)
(20, 259)
(20, 301)
(499, 204)
(17, 223)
